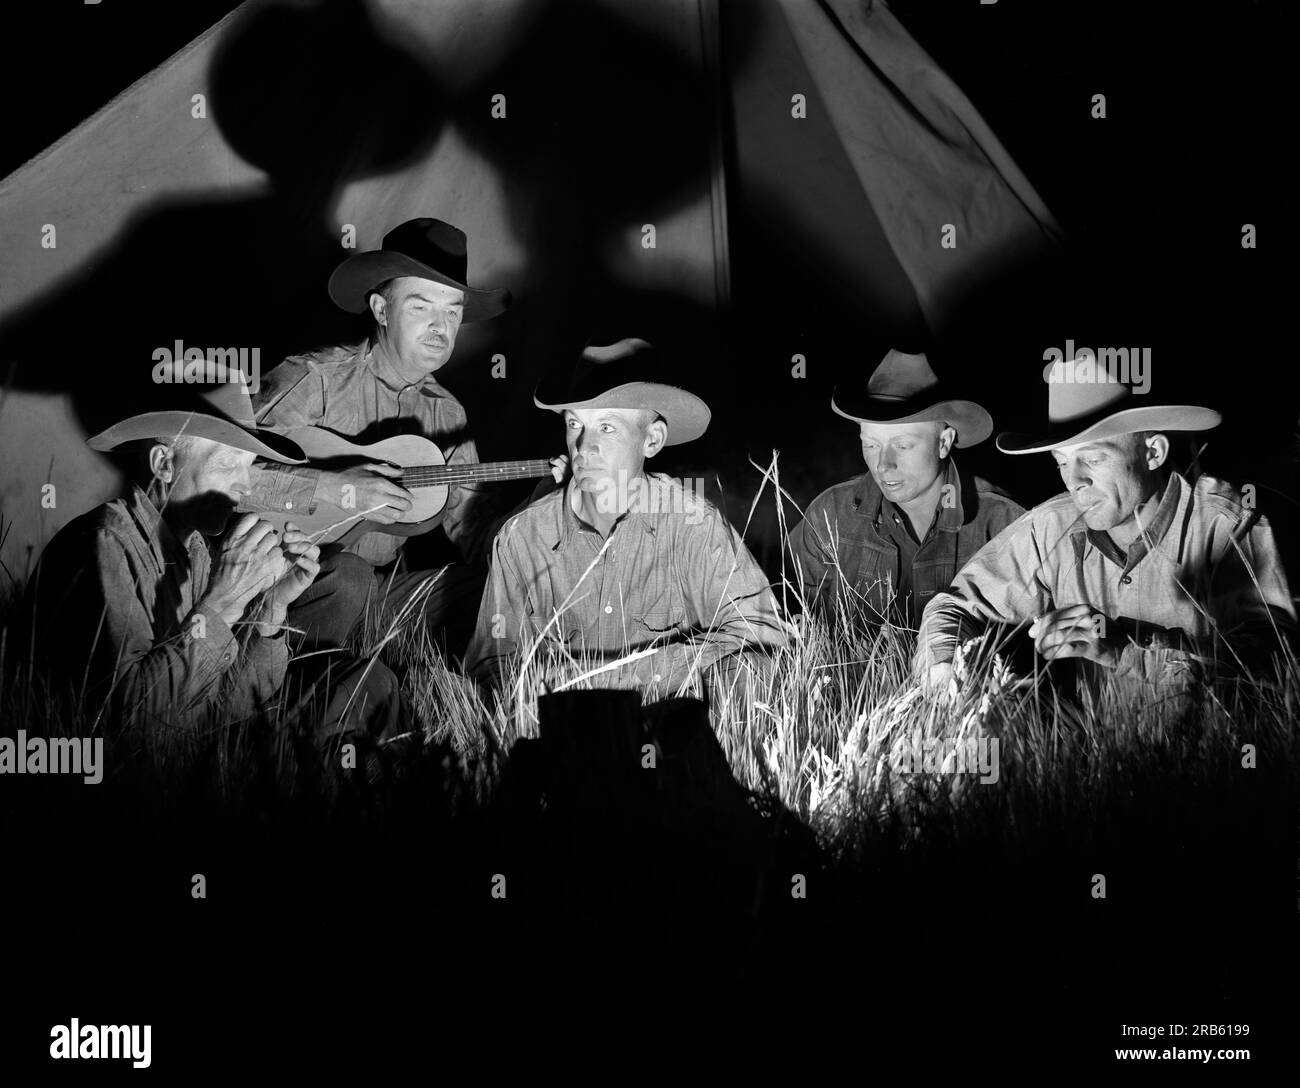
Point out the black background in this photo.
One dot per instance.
(1200, 138)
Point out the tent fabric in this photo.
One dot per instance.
(229, 221)
(923, 155)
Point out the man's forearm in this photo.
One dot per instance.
(945, 625)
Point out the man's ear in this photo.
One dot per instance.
(378, 307)
(947, 437)
(162, 463)
(656, 436)
(1156, 451)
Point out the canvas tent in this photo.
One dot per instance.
(600, 154)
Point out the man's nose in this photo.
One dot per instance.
(1075, 478)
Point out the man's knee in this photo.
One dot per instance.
(351, 579)
(335, 601)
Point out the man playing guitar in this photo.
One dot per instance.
(414, 289)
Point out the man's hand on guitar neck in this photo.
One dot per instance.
(372, 490)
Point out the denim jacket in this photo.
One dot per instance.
(852, 532)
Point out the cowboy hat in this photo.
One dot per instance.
(618, 376)
(428, 248)
(903, 389)
(1087, 403)
(227, 418)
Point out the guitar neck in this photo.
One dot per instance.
(448, 475)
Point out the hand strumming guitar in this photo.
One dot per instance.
(373, 491)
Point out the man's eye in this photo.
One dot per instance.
(608, 428)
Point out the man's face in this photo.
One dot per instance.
(905, 459)
(608, 446)
(419, 321)
(1108, 480)
(208, 480)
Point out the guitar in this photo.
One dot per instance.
(425, 474)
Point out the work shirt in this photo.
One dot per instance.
(1201, 582)
(344, 390)
(115, 605)
(672, 573)
(852, 534)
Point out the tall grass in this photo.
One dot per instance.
(814, 727)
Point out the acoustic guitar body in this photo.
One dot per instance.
(336, 517)
(425, 474)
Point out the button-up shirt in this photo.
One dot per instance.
(1201, 584)
(115, 605)
(345, 390)
(852, 534)
(671, 573)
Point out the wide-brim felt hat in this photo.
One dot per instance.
(621, 375)
(428, 248)
(1088, 403)
(222, 413)
(904, 389)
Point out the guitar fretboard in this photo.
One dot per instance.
(447, 475)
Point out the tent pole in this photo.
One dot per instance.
(710, 39)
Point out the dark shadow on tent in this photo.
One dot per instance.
(242, 271)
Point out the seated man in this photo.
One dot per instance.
(1136, 569)
(619, 560)
(130, 605)
(414, 289)
(899, 533)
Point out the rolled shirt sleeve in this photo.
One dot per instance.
(1212, 593)
(172, 678)
(504, 617)
(1007, 581)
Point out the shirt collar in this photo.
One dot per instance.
(571, 526)
(370, 359)
(871, 502)
(164, 543)
(1151, 536)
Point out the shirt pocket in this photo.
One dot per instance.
(661, 616)
(868, 567)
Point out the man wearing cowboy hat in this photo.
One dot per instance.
(414, 288)
(895, 536)
(132, 605)
(621, 560)
(1140, 571)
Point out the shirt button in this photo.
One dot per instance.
(1127, 579)
(288, 505)
(608, 609)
